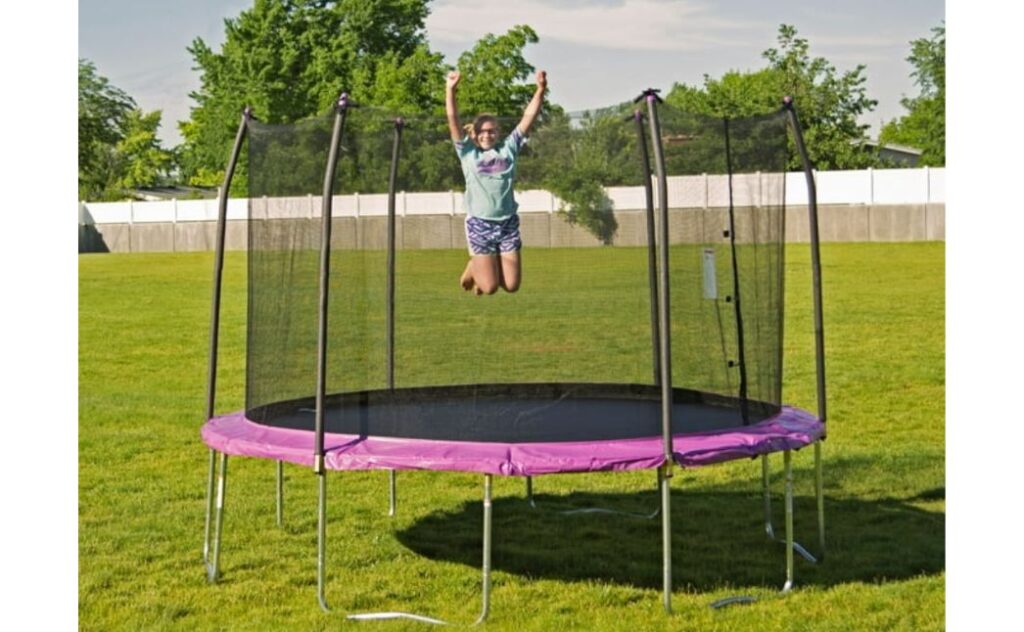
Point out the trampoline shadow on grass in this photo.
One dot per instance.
(719, 540)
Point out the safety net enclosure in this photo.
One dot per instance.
(647, 331)
(571, 357)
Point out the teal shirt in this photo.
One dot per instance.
(490, 176)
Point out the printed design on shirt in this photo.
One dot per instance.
(492, 164)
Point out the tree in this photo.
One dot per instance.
(829, 103)
(291, 59)
(117, 145)
(493, 72)
(735, 95)
(103, 111)
(142, 162)
(924, 125)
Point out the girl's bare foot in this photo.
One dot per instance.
(466, 280)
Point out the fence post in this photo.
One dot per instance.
(174, 225)
(131, 224)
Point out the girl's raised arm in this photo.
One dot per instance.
(451, 108)
(533, 109)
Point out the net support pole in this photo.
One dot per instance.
(664, 347)
(218, 276)
(390, 316)
(392, 185)
(340, 113)
(819, 321)
(652, 253)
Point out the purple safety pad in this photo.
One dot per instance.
(233, 434)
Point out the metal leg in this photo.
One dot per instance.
(666, 536)
(819, 491)
(604, 510)
(487, 552)
(280, 493)
(209, 505)
(212, 565)
(767, 498)
(321, 542)
(768, 528)
(392, 493)
(787, 455)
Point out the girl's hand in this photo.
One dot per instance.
(542, 80)
(453, 79)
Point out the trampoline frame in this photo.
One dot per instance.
(217, 476)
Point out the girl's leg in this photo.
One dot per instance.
(511, 271)
(485, 272)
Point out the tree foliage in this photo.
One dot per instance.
(291, 59)
(924, 125)
(141, 160)
(118, 150)
(494, 72)
(829, 103)
(577, 159)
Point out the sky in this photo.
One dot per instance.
(596, 52)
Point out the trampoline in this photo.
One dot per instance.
(511, 430)
(678, 362)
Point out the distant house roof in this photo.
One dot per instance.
(903, 155)
(155, 194)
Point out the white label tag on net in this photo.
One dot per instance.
(710, 275)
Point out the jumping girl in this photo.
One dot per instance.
(489, 167)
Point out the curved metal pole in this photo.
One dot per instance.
(341, 111)
(218, 275)
(652, 263)
(665, 348)
(390, 315)
(812, 208)
(819, 325)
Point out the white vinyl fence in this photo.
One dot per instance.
(865, 205)
(866, 187)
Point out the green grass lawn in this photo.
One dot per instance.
(143, 337)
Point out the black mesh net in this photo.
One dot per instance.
(583, 312)
(726, 193)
